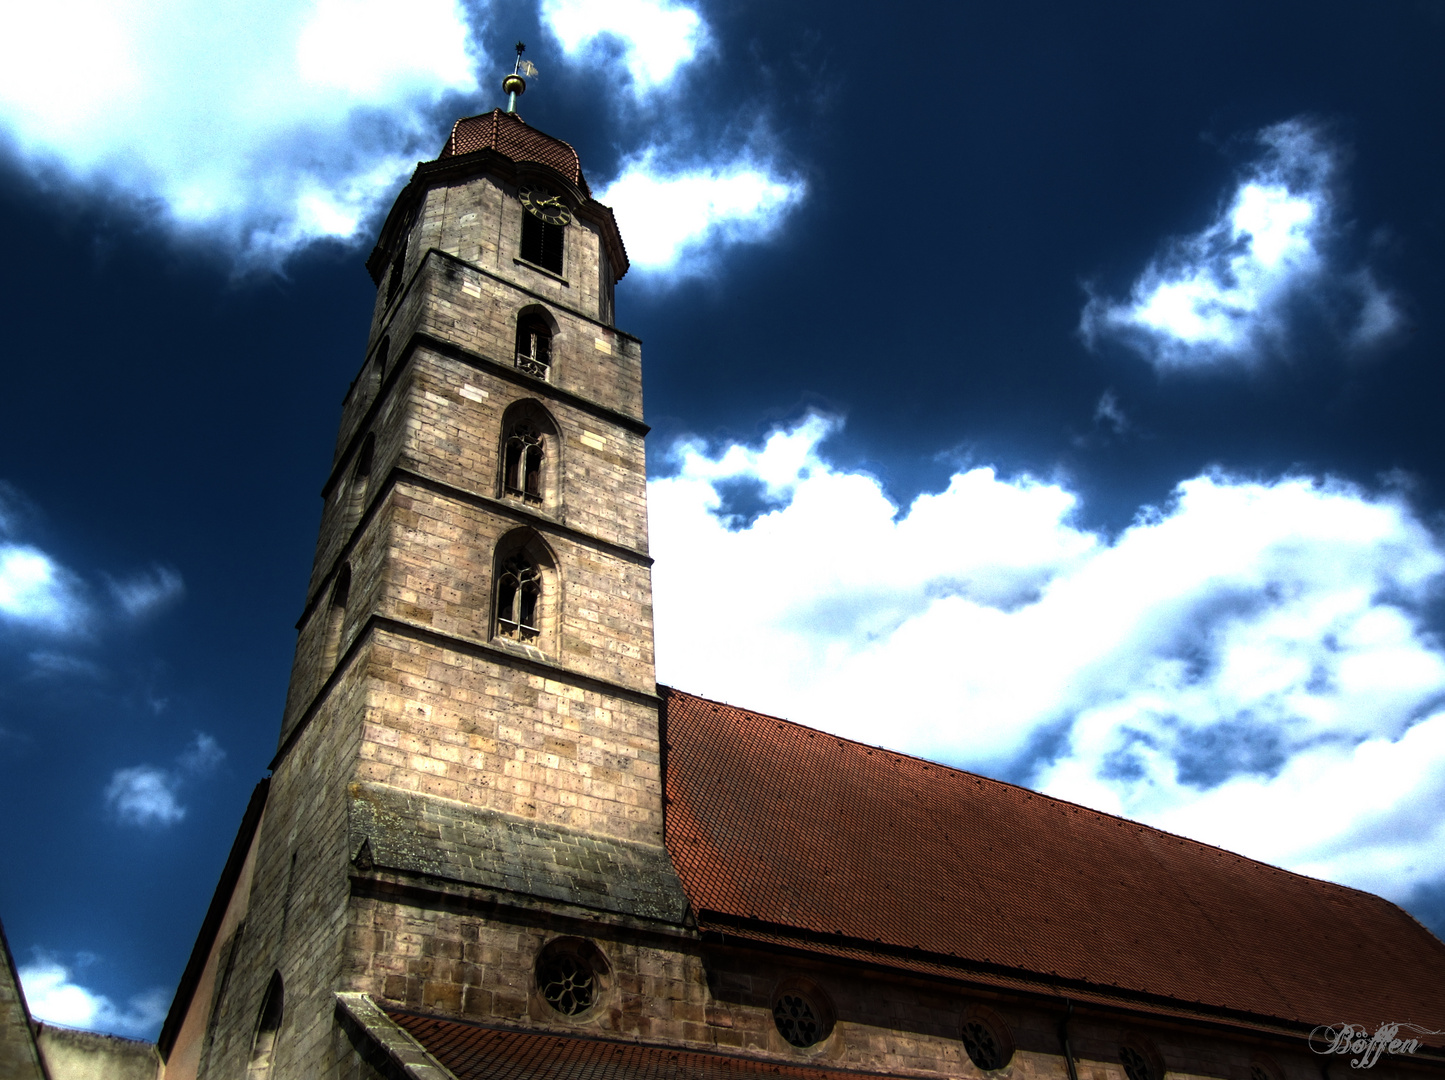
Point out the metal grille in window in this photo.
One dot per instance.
(1136, 1066)
(522, 463)
(534, 347)
(982, 1045)
(796, 1020)
(542, 243)
(568, 984)
(518, 596)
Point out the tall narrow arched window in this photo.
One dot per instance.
(519, 596)
(398, 261)
(360, 483)
(525, 591)
(263, 1043)
(335, 619)
(382, 356)
(534, 345)
(529, 456)
(522, 462)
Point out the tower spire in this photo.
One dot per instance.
(514, 85)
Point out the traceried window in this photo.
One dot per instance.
(986, 1039)
(522, 462)
(519, 599)
(534, 345)
(542, 243)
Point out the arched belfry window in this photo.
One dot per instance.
(534, 344)
(525, 590)
(335, 619)
(398, 260)
(360, 482)
(529, 456)
(519, 599)
(522, 462)
(263, 1043)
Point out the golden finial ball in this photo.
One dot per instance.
(514, 84)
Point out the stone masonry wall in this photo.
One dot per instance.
(299, 896)
(476, 729)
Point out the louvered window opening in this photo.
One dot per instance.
(518, 596)
(567, 983)
(522, 470)
(534, 348)
(796, 1020)
(542, 243)
(982, 1045)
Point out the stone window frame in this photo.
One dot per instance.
(1140, 1058)
(268, 1029)
(820, 1004)
(533, 412)
(980, 1020)
(537, 356)
(530, 547)
(583, 954)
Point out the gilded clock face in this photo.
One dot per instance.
(545, 205)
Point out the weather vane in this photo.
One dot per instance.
(514, 85)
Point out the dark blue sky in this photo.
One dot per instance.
(960, 180)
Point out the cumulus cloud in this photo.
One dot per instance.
(149, 796)
(37, 592)
(655, 37)
(147, 592)
(265, 123)
(673, 219)
(1248, 664)
(1223, 295)
(54, 996)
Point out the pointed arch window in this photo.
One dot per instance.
(336, 619)
(361, 478)
(534, 346)
(522, 462)
(263, 1044)
(519, 599)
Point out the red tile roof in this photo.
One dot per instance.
(510, 136)
(474, 1053)
(781, 830)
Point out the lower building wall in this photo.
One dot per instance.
(87, 1055)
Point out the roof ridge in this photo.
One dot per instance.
(1031, 792)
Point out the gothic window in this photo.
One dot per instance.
(361, 477)
(534, 345)
(571, 975)
(263, 1045)
(986, 1039)
(335, 619)
(1140, 1060)
(398, 262)
(519, 599)
(542, 242)
(381, 357)
(522, 462)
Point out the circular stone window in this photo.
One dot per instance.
(802, 1014)
(986, 1039)
(1140, 1061)
(569, 975)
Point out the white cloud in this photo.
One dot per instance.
(1248, 664)
(145, 593)
(37, 592)
(673, 218)
(266, 123)
(53, 997)
(1222, 294)
(147, 795)
(657, 37)
(144, 796)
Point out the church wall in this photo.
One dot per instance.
(184, 1062)
(475, 729)
(298, 897)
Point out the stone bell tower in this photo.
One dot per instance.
(469, 763)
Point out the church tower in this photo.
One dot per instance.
(467, 792)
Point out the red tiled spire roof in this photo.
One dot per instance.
(783, 833)
(510, 136)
